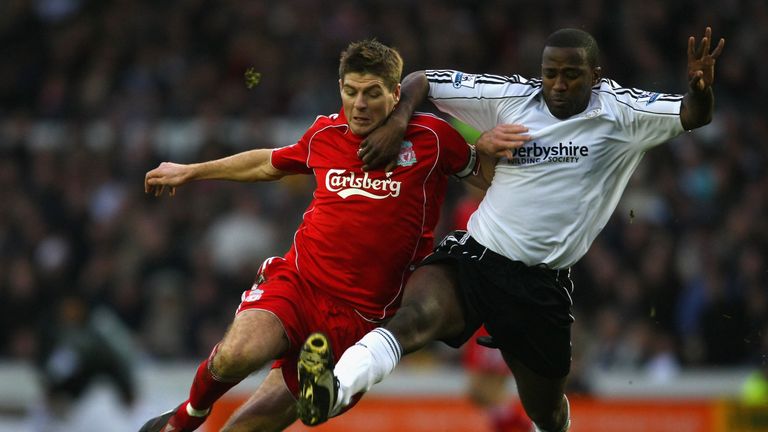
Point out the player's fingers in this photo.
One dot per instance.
(511, 142)
(391, 166)
(512, 128)
(172, 192)
(380, 162)
(149, 182)
(516, 140)
(510, 132)
(367, 157)
(696, 81)
(691, 48)
(371, 161)
(364, 147)
(718, 49)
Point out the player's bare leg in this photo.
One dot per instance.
(430, 310)
(543, 398)
(271, 408)
(254, 338)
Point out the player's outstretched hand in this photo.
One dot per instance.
(167, 174)
(502, 140)
(701, 62)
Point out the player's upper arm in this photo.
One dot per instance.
(475, 99)
(648, 118)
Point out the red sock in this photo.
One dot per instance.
(206, 388)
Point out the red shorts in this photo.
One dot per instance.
(302, 311)
(483, 359)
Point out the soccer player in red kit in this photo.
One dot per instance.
(360, 239)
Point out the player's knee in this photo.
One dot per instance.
(234, 362)
(414, 326)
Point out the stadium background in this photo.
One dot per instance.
(95, 93)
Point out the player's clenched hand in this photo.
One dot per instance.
(166, 174)
(502, 140)
(701, 62)
(381, 147)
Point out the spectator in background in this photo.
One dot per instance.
(80, 347)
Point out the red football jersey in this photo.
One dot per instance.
(363, 232)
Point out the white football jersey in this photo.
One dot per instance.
(547, 204)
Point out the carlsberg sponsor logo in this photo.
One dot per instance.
(347, 184)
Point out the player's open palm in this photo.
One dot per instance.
(167, 174)
(701, 62)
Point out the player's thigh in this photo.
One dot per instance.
(431, 303)
(254, 338)
(540, 395)
(270, 408)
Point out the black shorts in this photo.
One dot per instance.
(527, 310)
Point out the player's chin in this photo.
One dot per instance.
(362, 129)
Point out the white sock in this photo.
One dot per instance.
(196, 412)
(567, 425)
(364, 364)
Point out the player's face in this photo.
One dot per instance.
(567, 80)
(367, 101)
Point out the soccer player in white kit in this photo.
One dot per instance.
(557, 180)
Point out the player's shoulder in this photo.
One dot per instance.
(421, 121)
(513, 84)
(630, 98)
(426, 119)
(322, 121)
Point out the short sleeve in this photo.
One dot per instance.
(456, 156)
(293, 158)
(650, 118)
(475, 99)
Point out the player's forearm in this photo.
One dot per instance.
(252, 165)
(413, 92)
(697, 108)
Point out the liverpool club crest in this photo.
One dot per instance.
(407, 156)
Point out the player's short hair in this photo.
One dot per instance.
(575, 38)
(373, 57)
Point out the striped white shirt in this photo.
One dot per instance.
(547, 204)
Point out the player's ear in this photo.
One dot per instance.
(396, 93)
(597, 73)
(341, 84)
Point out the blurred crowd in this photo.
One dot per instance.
(94, 93)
